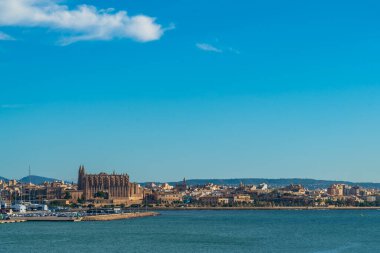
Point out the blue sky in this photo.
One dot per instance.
(195, 89)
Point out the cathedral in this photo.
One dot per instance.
(113, 187)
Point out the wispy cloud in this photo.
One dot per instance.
(85, 22)
(217, 49)
(4, 36)
(208, 47)
(12, 106)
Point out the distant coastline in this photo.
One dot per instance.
(309, 183)
(273, 182)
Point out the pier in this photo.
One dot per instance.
(103, 217)
(122, 216)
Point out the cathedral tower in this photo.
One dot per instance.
(81, 174)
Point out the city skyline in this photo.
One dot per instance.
(233, 180)
(248, 89)
(118, 189)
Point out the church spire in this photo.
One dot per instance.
(81, 174)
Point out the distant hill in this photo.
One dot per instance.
(37, 179)
(3, 178)
(308, 183)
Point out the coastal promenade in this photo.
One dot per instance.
(122, 216)
(267, 208)
(46, 218)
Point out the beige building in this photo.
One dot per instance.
(242, 198)
(336, 190)
(168, 197)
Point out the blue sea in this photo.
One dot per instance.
(319, 231)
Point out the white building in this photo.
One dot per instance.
(262, 186)
(19, 208)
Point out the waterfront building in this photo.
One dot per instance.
(347, 190)
(242, 198)
(336, 190)
(46, 191)
(116, 188)
(19, 208)
(167, 197)
(370, 198)
(355, 190)
(224, 200)
(211, 200)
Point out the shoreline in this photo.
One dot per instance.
(260, 208)
(123, 216)
(103, 217)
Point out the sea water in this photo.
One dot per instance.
(314, 231)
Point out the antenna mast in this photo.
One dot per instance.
(30, 184)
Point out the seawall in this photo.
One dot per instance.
(46, 218)
(266, 208)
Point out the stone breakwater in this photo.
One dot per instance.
(108, 217)
(103, 217)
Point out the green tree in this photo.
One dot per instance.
(67, 195)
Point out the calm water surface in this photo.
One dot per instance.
(204, 231)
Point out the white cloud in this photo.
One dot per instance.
(4, 36)
(85, 22)
(208, 47)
